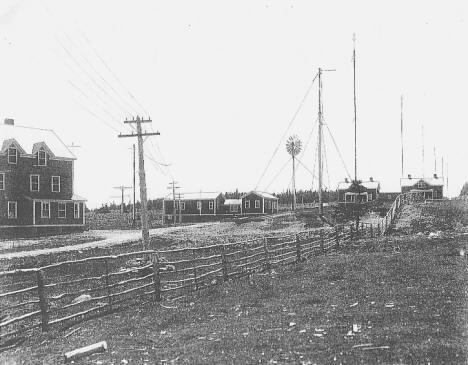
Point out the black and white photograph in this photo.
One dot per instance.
(233, 182)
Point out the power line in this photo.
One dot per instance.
(278, 173)
(287, 129)
(339, 153)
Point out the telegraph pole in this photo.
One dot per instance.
(122, 190)
(134, 189)
(141, 172)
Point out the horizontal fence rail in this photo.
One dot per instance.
(64, 293)
(67, 292)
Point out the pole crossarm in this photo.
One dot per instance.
(139, 134)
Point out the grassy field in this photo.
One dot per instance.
(396, 300)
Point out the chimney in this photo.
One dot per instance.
(371, 179)
(409, 176)
(346, 180)
(435, 176)
(9, 121)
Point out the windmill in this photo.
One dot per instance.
(294, 147)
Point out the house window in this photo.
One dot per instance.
(34, 182)
(56, 184)
(12, 210)
(45, 210)
(233, 208)
(268, 204)
(420, 184)
(369, 196)
(76, 210)
(247, 204)
(274, 205)
(2, 181)
(12, 155)
(41, 157)
(199, 205)
(210, 206)
(62, 210)
(257, 203)
(176, 205)
(182, 205)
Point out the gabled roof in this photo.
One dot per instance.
(11, 141)
(28, 137)
(233, 202)
(195, 196)
(434, 181)
(261, 194)
(366, 184)
(37, 146)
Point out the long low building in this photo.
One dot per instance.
(203, 206)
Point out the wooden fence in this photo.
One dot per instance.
(61, 294)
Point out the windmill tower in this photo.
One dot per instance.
(294, 147)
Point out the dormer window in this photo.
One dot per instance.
(12, 155)
(421, 184)
(41, 157)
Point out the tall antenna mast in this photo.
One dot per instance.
(320, 120)
(422, 141)
(355, 118)
(401, 137)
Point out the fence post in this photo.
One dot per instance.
(337, 237)
(267, 254)
(322, 244)
(194, 270)
(156, 278)
(224, 263)
(378, 228)
(372, 230)
(42, 301)
(363, 232)
(298, 249)
(351, 229)
(108, 289)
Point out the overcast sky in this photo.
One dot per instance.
(222, 81)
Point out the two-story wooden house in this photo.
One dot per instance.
(36, 183)
(361, 192)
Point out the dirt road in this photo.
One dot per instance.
(103, 239)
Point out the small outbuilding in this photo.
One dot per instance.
(259, 202)
(431, 188)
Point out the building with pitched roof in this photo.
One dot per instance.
(36, 183)
(365, 191)
(430, 187)
(259, 202)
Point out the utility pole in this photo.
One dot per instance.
(134, 188)
(422, 142)
(122, 189)
(173, 187)
(141, 172)
(435, 161)
(180, 210)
